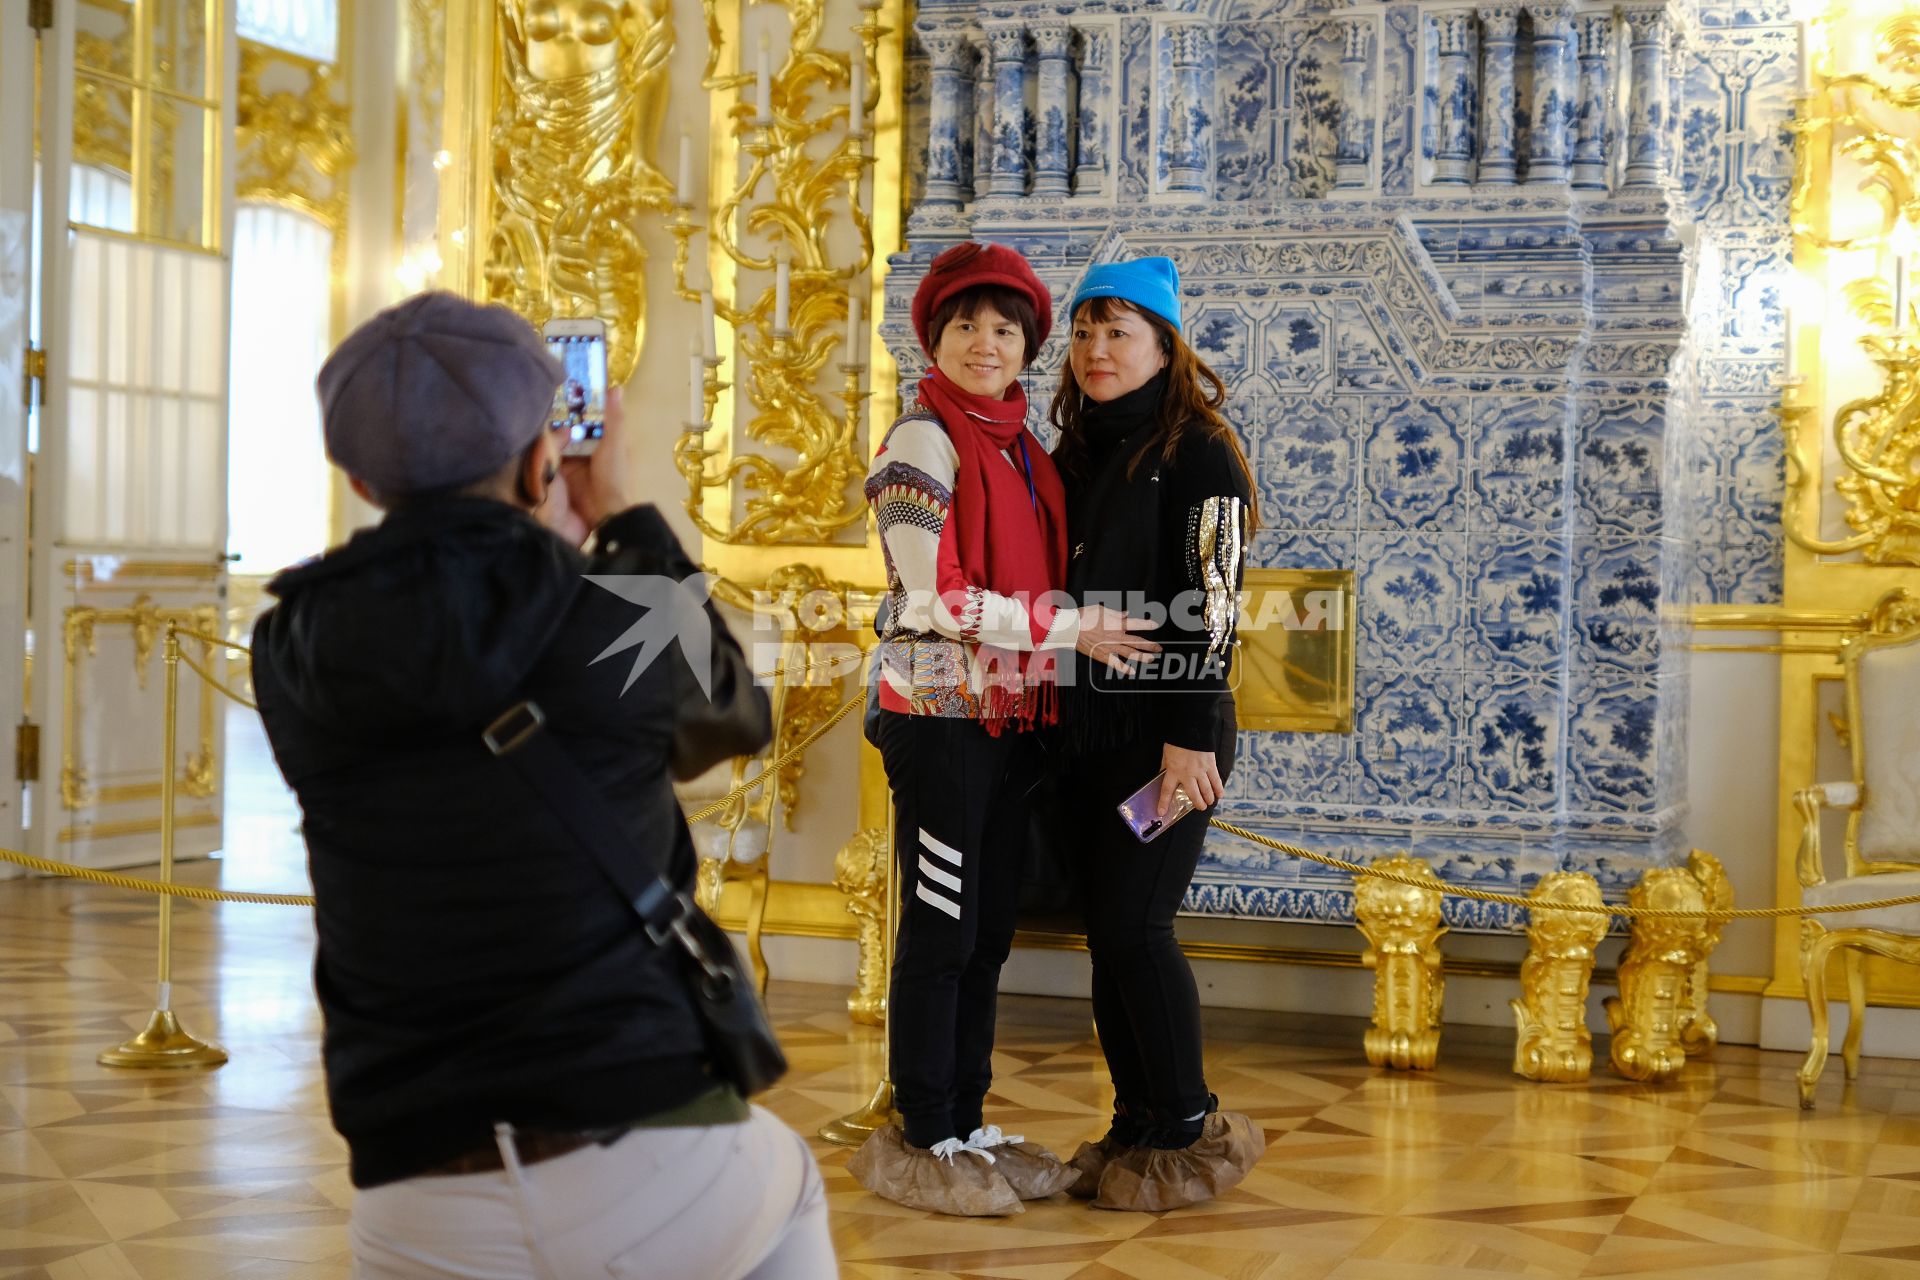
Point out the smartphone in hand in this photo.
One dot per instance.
(580, 401)
(1140, 810)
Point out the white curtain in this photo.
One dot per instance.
(309, 28)
(278, 482)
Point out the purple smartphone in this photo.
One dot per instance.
(1137, 810)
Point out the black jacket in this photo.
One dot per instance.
(1171, 534)
(473, 964)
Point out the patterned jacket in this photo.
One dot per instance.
(937, 620)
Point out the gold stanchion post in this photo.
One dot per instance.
(855, 1127)
(165, 1043)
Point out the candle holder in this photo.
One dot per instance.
(713, 385)
(787, 197)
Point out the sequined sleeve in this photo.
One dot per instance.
(1216, 536)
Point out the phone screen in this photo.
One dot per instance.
(580, 401)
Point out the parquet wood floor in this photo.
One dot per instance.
(1464, 1171)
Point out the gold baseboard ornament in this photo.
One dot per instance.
(860, 872)
(1648, 1016)
(1402, 926)
(1553, 1044)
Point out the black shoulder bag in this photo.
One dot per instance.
(739, 1038)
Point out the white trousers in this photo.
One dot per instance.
(724, 1202)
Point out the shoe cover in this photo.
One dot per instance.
(961, 1182)
(1030, 1169)
(1150, 1179)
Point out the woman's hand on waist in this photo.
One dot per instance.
(1195, 772)
(1109, 636)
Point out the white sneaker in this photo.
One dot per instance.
(983, 1140)
(947, 1148)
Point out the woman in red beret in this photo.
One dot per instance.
(972, 519)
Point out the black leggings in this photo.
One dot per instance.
(1145, 1004)
(960, 840)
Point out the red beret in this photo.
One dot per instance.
(969, 265)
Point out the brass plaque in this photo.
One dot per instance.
(1294, 670)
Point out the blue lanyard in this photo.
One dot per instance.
(1026, 469)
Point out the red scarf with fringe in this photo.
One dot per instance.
(1010, 530)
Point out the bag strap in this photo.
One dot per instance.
(520, 740)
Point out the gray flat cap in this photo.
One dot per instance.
(435, 393)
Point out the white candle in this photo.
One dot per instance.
(857, 113)
(684, 189)
(1786, 323)
(763, 84)
(782, 281)
(853, 327)
(709, 347)
(1806, 60)
(697, 404)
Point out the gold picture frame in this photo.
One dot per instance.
(1294, 670)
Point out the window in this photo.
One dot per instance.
(308, 28)
(278, 481)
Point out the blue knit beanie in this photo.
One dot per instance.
(1151, 284)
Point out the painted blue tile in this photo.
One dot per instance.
(1313, 768)
(1513, 741)
(1408, 738)
(1295, 351)
(1218, 332)
(1519, 464)
(1411, 600)
(1305, 459)
(1413, 465)
(1616, 603)
(1617, 467)
(1282, 548)
(1518, 613)
(1611, 745)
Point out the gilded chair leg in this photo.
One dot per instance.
(1814, 949)
(1856, 1009)
(756, 917)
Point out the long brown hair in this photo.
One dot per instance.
(1191, 405)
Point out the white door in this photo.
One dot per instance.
(16, 214)
(129, 513)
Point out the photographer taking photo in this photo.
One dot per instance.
(520, 1071)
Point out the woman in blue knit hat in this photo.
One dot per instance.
(1160, 504)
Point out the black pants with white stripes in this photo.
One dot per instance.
(960, 823)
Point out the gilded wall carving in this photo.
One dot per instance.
(583, 85)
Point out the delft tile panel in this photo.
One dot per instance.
(1247, 88)
(1512, 748)
(1305, 453)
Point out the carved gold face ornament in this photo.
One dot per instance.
(569, 38)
